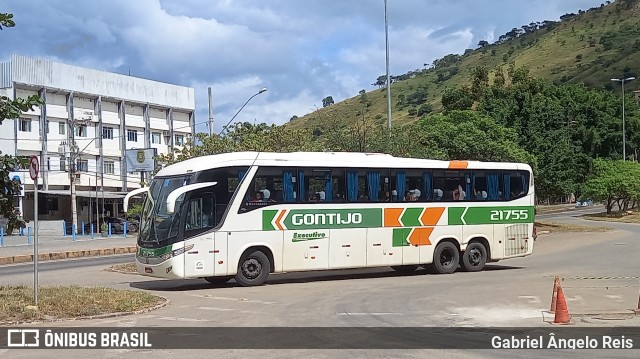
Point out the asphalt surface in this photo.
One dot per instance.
(600, 272)
(77, 263)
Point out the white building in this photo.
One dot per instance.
(110, 112)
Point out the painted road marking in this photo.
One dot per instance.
(191, 320)
(218, 309)
(595, 277)
(365, 314)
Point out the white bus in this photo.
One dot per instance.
(248, 214)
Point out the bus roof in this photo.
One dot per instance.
(324, 159)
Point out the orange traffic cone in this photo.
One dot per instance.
(562, 312)
(554, 297)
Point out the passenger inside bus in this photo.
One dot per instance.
(437, 194)
(258, 197)
(481, 195)
(458, 194)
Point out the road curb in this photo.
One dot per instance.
(166, 302)
(68, 254)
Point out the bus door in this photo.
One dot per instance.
(200, 243)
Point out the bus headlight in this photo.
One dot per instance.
(176, 252)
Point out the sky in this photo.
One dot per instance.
(300, 50)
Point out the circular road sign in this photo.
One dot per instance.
(34, 167)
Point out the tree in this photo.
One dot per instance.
(614, 182)
(11, 109)
(483, 43)
(327, 101)
(456, 99)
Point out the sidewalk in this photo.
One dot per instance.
(53, 245)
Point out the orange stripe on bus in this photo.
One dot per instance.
(392, 217)
(431, 216)
(280, 216)
(420, 236)
(458, 165)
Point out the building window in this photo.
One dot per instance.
(62, 128)
(109, 167)
(107, 133)
(155, 137)
(63, 164)
(132, 135)
(179, 140)
(167, 139)
(81, 131)
(82, 166)
(48, 163)
(25, 125)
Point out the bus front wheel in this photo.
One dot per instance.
(474, 257)
(253, 269)
(446, 258)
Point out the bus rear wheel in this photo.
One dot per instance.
(474, 257)
(218, 280)
(253, 269)
(445, 258)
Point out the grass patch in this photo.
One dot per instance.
(622, 216)
(545, 208)
(66, 302)
(556, 227)
(129, 268)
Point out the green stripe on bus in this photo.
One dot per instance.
(491, 215)
(333, 218)
(154, 252)
(400, 237)
(411, 217)
(267, 219)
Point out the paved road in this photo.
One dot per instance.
(512, 293)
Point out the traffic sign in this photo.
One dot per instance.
(34, 167)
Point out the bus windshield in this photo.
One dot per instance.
(156, 225)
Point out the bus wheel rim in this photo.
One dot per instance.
(251, 268)
(475, 256)
(446, 258)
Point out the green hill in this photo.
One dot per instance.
(589, 47)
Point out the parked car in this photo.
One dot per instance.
(584, 203)
(117, 225)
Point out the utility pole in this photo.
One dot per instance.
(72, 161)
(210, 113)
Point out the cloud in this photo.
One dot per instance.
(301, 50)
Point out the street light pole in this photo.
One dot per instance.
(210, 113)
(624, 137)
(386, 36)
(262, 90)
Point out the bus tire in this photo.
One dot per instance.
(405, 269)
(218, 280)
(446, 258)
(474, 257)
(253, 269)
